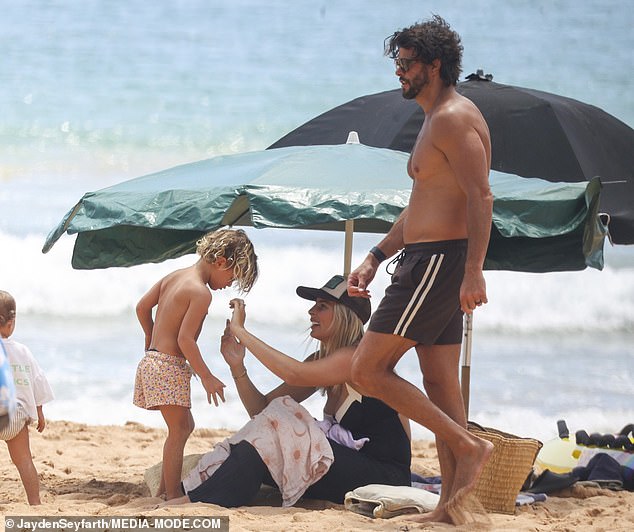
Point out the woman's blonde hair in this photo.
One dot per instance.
(235, 246)
(7, 307)
(346, 329)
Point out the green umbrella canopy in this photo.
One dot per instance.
(540, 226)
(161, 215)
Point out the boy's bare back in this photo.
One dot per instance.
(182, 299)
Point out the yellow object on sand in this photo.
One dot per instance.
(560, 455)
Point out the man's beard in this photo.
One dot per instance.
(415, 86)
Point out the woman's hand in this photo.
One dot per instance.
(232, 351)
(239, 315)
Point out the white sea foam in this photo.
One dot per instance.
(546, 346)
(590, 300)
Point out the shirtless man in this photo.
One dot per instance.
(445, 232)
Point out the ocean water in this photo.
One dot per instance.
(95, 92)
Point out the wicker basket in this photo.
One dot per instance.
(507, 469)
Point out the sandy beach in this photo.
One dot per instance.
(99, 471)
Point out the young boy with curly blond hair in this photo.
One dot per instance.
(182, 300)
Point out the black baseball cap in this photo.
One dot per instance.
(336, 290)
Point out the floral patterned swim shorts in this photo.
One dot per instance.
(161, 380)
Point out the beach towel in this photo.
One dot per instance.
(604, 470)
(384, 501)
(290, 443)
(433, 484)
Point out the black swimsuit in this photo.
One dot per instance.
(385, 459)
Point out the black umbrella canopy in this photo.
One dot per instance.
(533, 134)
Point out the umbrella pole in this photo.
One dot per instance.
(347, 252)
(465, 377)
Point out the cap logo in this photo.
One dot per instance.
(336, 286)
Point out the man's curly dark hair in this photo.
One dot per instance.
(431, 39)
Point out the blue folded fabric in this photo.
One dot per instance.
(425, 480)
(602, 469)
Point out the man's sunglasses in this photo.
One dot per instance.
(405, 63)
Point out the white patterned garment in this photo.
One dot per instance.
(31, 387)
(288, 440)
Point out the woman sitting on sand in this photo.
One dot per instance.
(361, 441)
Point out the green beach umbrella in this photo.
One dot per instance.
(537, 225)
(161, 215)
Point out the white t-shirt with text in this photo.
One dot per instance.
(31, 387)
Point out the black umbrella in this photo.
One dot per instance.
(533, 134)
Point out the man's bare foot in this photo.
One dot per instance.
(470, 462)
(438, 515)
(464, 508)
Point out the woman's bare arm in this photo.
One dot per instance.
(253, 400)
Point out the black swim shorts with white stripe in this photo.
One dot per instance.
(423, 301)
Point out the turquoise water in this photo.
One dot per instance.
(120, 87)
(95, 92)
